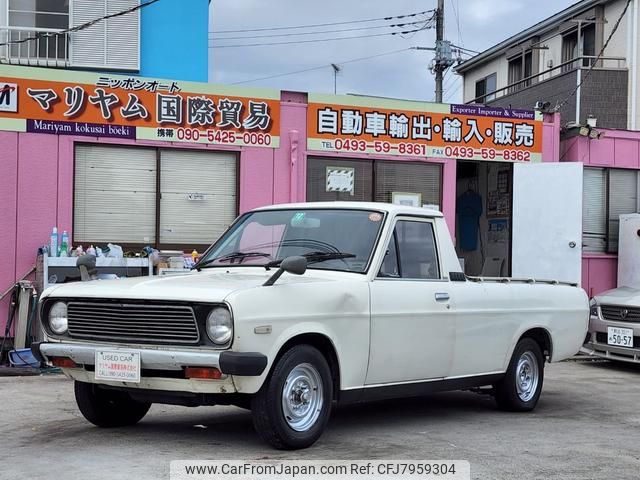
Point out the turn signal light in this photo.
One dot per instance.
(63, 362)
(202, 373)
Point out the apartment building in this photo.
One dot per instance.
(554, 65)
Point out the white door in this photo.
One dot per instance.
(547, 221)
(412, 325)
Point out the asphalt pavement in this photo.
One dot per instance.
(586, 426)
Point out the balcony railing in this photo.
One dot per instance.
(49, 47)
(584, 62)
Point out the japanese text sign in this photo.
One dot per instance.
(395, 127)
(100, 105)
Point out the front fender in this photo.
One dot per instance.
(336, 310)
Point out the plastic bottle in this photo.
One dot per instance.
(64, 244)
(53, 243)
(194, 256)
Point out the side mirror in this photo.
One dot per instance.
(295, 265)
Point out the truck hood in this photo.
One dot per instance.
(624, 296)
(206, 286)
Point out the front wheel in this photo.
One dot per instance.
(292, 408)
(521, 386)
(108, 408)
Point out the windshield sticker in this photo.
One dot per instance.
(375, 217)
(298, 219)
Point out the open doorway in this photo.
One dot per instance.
(484, 218)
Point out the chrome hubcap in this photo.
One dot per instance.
(302, 398)
(527, 376)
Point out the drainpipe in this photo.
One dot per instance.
(634, 68)
(629, 65)
(293, 178)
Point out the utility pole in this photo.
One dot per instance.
(439, 39)
(443, 58)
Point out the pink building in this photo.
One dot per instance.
(143, 180)
(611, 165)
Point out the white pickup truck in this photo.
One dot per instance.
(298, 307)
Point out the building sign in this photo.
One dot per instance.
(417, 129)
(99, 105)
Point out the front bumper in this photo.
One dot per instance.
(596, 344)
(155, 361)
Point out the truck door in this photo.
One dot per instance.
(547, 221)
(412, 328)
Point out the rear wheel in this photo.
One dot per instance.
(293, 406)
(520, 389)
(108, 408)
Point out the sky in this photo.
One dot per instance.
(404, 73)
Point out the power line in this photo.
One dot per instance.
(322, 31)
(319, 39)
(320, 67)
(457, 15)
(449, 95)
(77, 28)
(326, 24)
(595, 61)
(474, 52)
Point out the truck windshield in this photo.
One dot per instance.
(331, 239)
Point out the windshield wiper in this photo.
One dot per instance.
(230, 257)
(315, 257)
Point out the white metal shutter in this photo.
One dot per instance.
(113, 43)
(198, 195)
(623, 198)
(594, 210)
(123, 36)
(88, 45)
(115, 198)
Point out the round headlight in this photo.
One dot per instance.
(58, 318)
(219, 326)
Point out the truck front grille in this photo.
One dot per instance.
(140, 323)
(620, 314)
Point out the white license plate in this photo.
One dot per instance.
(118, 365)
(621, 337)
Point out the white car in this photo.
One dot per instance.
(297, 307)
(614, 329)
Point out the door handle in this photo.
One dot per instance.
(442, 297)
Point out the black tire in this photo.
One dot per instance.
(508, 396)
(267, 405)
(108, 408)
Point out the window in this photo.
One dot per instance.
(607, 194)
(338, 239)
(375, 181)
(113, 43)
(569, 50)
(570, 47)
(485, 89)
(27, 16)
(117, 199)
(411, 252)
(520, 67)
